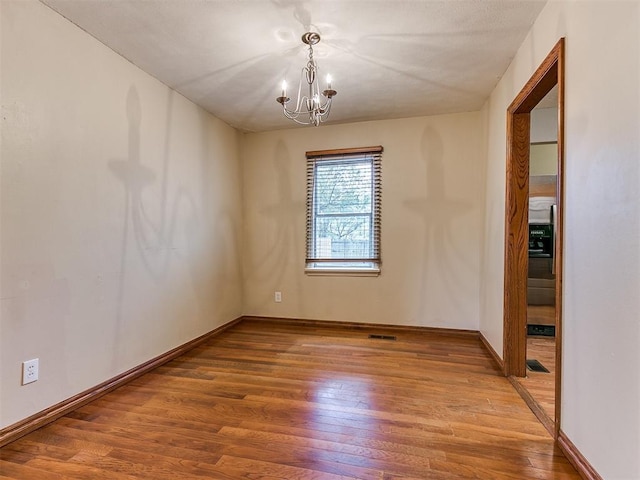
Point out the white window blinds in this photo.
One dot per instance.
(343, 208)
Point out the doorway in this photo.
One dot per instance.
(549, 75)
(541, 279)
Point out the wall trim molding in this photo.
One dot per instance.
(453, 332)
(533, 405)
(494, 355)
(584, 468)
(48, 415)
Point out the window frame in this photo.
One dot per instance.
(370, 265)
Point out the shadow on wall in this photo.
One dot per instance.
(444, 265)
(154, 238)
(282, 221)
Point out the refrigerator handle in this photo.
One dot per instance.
(554, 211)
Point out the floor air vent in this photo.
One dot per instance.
(382, 337)
(536, 366)
(541, 330)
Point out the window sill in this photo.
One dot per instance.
(342, 272)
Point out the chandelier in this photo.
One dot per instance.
(310, 108)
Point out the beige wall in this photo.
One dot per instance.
(544, 136)
(601, 362)
(543, 159)
(431, 224)
(120, 213)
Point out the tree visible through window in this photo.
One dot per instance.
(343, 209)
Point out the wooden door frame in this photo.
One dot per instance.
(548, 74)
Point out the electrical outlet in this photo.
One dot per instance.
(277, 297)
(30, 371)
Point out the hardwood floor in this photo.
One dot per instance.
(274, 400)
(542, 385)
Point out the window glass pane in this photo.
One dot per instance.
(346, 236)
(343, 188)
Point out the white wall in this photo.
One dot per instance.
(120, 213)
(601, 359)
(431, 224)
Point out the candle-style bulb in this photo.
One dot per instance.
(328, 82)
(284, 88)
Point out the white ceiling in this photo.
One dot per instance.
(388, 59)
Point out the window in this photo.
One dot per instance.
(343, 211)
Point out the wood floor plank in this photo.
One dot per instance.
(542, 385)
(239, 466)
(15, 471)
(267, 400)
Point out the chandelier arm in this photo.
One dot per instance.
(298, 110)
(320, 112)
(300, 97)
(295, 119)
